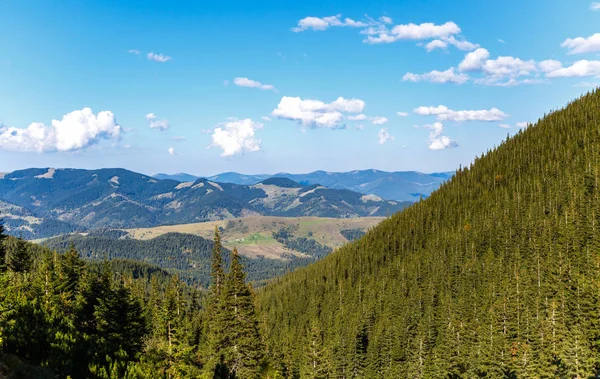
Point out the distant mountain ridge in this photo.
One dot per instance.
(399, 185)
(76, 199)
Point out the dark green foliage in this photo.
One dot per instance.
(187, 255)
(2, 247)
(494, 275)
(352, 234)
(304, 245)
(60, 317)
(18, 256)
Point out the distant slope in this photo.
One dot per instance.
(180, 177)
(400, 186)
(117, 198)
(495, 275)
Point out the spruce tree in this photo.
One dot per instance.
(2, 248)
(245, 349)
(218, 334)
(18, 256)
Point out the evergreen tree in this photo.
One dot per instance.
(18, 256)
(2, 248)
(245, 350)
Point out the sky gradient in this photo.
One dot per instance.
(271, 86)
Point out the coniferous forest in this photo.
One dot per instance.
(495, 275)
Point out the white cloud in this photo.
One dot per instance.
(522, 124)
(436, 140)
(157, 124)
(581, 45)
(451, 40)
(383, 136)
(448, 76)
(171, 151)
(323, 23)
(358, 117)
(158, 57)
(501, 40)
(315, 113)
(77, 130)
(502, 71)
(249, 83)
(504, 126)
(379, 120)
(134, 51)
(595, 6)
(500, 67)
(412, 31)
(443, 113)
(436, 44)
(178, 138)
(386, 20)
(236, 136)
(555, 69)
(402, 114)
(587, 84)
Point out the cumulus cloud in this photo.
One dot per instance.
(323, 23)
(448, 76)
(158, 57)
(379, 120)
(444, 113)
(236, 137)
(412, 31)
(402, 114)
(315, 113)
(502, 71)
(249, 83)
(383, 136)
(386, 20)
(436, 140)
(500, 67)
(451, 40)
(171, 151)
(77, 130)
(595, 6)
(554, 69)
(581, 45)
(157, 124)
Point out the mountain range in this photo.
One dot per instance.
(399, 186)
(41, 202)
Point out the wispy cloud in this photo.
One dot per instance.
(158, 57)
(384, 136)
(249, 83)
(444, 113)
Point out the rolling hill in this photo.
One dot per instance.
(117, 198)
(399, 186)
(496, 274)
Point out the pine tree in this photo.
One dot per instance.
(2, 248)
(18, 256)
(316, 360)
(218, 334)
(244, 354)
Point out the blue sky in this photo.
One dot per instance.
(269, 86)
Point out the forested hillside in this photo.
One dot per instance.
(61, 317)
(187, 255)
(496, 274)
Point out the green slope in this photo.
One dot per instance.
(496, 274)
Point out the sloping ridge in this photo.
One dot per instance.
(497, 273)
